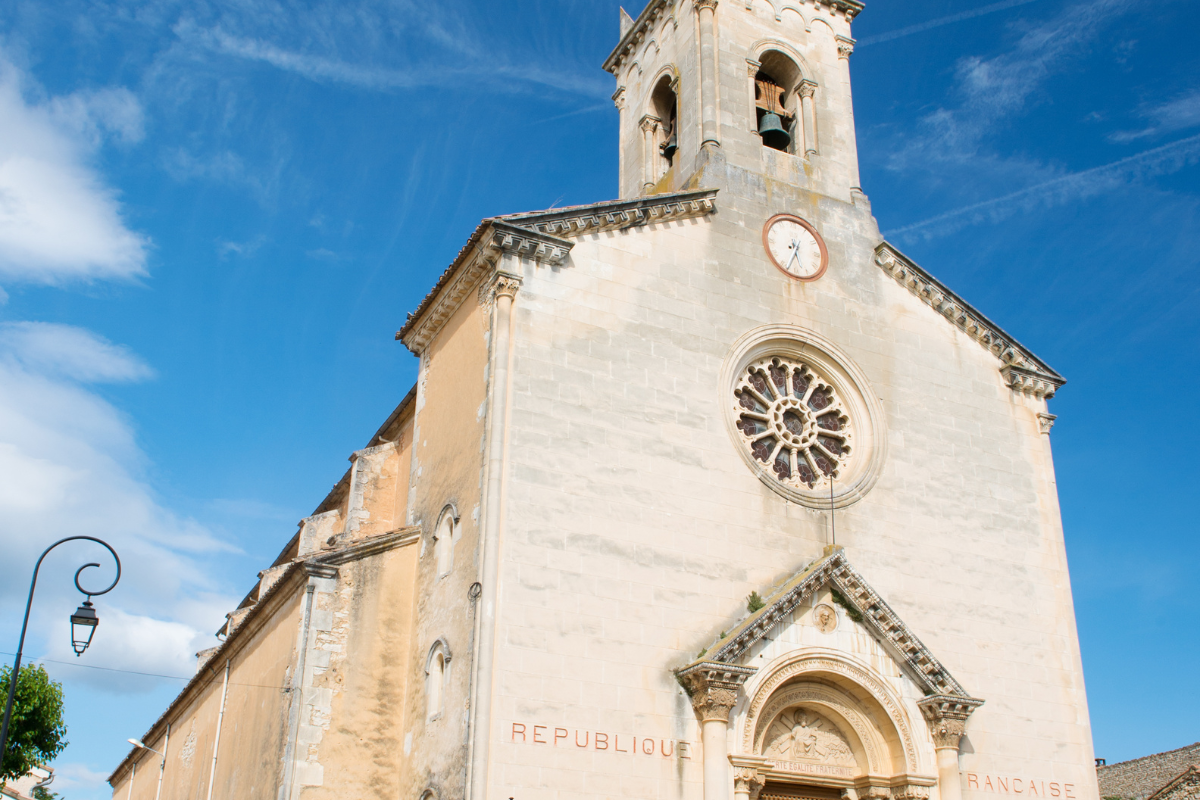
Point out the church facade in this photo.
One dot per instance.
(704, 493)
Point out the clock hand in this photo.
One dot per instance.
(795, 254)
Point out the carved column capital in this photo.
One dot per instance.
(806, 88)
(505, 285)
(701, 5)
(748, 780)
(1046, 421)
(714, 687)
(753, 67)
(618, 98)
(845, 47)
(649, 123)
(947, 717)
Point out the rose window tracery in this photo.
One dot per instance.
(793, 421)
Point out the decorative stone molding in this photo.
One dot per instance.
(845, 46)
(748, 781)
(618, 214)
(1021, 369)
(535, 235)
(713, 687)
(928, 673)
(1046, 421)
(823, 662)
(1029, 381)
(947, 718)
(637, 34)
(618, 98)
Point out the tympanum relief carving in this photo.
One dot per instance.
(803, 736)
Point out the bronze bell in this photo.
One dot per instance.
(670, 146)
(773, 134)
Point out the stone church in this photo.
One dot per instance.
(703, 493)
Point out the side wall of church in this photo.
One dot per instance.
(446, 472)
(252, 732)
(635, 532)
(368, 676)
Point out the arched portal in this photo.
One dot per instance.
(819, 724)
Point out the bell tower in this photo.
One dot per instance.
(737, 94)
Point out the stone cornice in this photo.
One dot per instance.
(656, 8)
(541, 236)
(492, 239)
(1021, 369)
(321, 565)
(877, 616)
(615, 215)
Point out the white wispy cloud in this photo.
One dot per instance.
(58, 219)
(993, 89)
(70, 464)
(472, 65)
(70, 352)
(1058, 191)
(1174, 115)
(949, 19)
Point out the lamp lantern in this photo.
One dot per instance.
(83, 627)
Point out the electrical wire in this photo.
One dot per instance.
(143, 674)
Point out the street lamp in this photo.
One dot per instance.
(83, 623)
(139, 744)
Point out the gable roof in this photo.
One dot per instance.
(545, 236)
(876, 615)
(1185, 785)
(1022, 370)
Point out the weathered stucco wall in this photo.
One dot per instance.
(367, 678)
(253, 729)
(447, 468)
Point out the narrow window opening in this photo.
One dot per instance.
(443, 543)
(435, 680)
(665, 107)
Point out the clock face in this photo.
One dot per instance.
(795, 247)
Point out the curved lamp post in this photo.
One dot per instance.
(83, 623)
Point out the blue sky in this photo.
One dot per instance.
(214, 217)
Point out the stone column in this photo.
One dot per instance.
(752, 68)
(808, 116)
(709, 118)
(845, 47)
(502, 290)
(947, 718)
(714, 688)
(649, 126)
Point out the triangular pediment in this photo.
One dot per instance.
(865, 607)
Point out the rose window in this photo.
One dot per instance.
(793, 421)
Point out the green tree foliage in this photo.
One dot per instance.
(42, 793)
(36, 732)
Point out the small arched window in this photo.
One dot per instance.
(437, 669)
(443, 540)
(665, 106)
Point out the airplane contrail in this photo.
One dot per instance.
(1082, 183)
(937, 23)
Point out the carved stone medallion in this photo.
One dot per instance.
(825, 618)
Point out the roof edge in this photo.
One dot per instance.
(1023, 370)
(834, 568)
